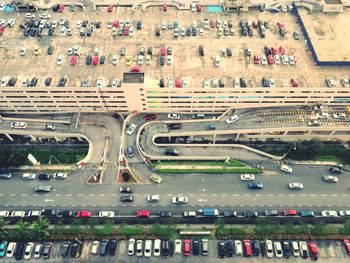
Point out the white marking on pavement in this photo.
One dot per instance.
(334, 195)
(1, 194)
(312, 195)
(68, 194)
(323, 195)
(79, 194)
(58, 194)
(214, 195)
(258, 195)
(269, 195)
(344, 195)
(280, 195)
(291, 195)
(91, 194)
(23, 194)
(102, 194)
(247, 195)
(113, 195)
(12, 194)
(169, 194)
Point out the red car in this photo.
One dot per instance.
(178, 83)
(247, 248)
(116, 23)
(95, 60)
(282, 50)
(165, 8)
(294, 82)
(143, 213)
(280, 25)
(126, 31)
(313, 251)
(83, 214)
(255, 24)
(270, 59)
(256, 60)
(187, 248)
(60, 9)
(274, 51)
(149, 117)
(2, 29)
(199, 8)
(347, 246)
(163, 51)
(289, 212)
(73, 60)
(110, 9)
(212, 23)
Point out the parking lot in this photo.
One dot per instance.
(332, 251)
(185, 60)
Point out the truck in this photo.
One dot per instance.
(210, 212)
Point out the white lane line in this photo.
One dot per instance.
(280, 195)
(102, 195)
(312, 195)
(74, 205)
(83, 205)
(302, 195)
(12, 194)
(235, 195)
(91, 194)
(68, 194)
(334, 195)
(247, 195)
(1, 194)
(324, 195)
(113, 194)
(143, 205)
(35, 195)
(258, 195)
(224, 195)
(58, 194)
(23, 194)
(214, 195)
(79, 194)
(269, 195)
(291, 195)
(136, 194)
(93, 205)
(344, 195)
(203, 194)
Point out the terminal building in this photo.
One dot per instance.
(138, 93)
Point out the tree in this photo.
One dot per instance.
(22, 230)
(40, 229)
(3, 230)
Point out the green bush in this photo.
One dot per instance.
(131, 230)
(238, 231)
(211, 170)
(103, 231)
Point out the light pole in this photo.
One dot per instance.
(53, 158)
(294, 147)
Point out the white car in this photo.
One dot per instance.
(106, 214)
(115, 83)
(278, 249)
(115, 59)
(330, 82)
(178, 246)
(232, 119)
(131, 129)
(329, 213)
(206, 83)
(272, 83)
(45, 16)
(30, 15)
(62, 20)
(269, 248)
(277, 59)
(63, 31)
(4, 213)
(18, 213)
(170, 83)
(148, 59)
(37, 250)
(140, 60)
(4, 81)
(148, 248)
(94, 247)
(60, 59)
(285, 60)
(99, 82)
(153, 198)
(238, 248)
(247, 177)
(173, 116)
(28, 250)
(169, 60)
(29, 176)
(295, 249)
(291, 60)
(18, 125)
(303, 249)
(156, 248)
(296, 186)
(131, 247)
(180, 200)
(344, 213)
(11, 247)
(263, 60)
(205, 247)
(345, 81)
(22, 51)
(286, 168)
(184, 83)
(139, 250)
(206, 24)
(60, 175)
(34, 213)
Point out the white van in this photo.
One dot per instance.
(131, 129)
(156, 248)
(28, 176)
(286, 168)
(238, 248)
(131, 247)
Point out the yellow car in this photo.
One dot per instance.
(155, 178)
(37, 50)
(128, 60)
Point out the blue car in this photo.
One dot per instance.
(3, 246)
(307, 213)
(256, 185)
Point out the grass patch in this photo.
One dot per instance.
(231, 163)
(131, 230)
(211, 170)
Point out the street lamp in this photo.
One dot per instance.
(294, 147)
(53, 158)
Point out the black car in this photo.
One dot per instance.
(47, 250)
(165, 248)
(161, 61)
(125, 189)
(104, 247)
(18, 254)
(33, 82)
(267, 51)
(161, 83)
(201, 50)
(89, 32)
(249, 213)
(98, 24)
(112, 246)
(62, 82)
(256, 248)
(229, 52)
(256, 185)
(229, 248)
(175, 126)
(336, 170)
(50, 50)
(265, 83)
(221, 249)
(221, 83)
(88, 60)
(229, 213)
(188, 32)
(44, 176)
(65, 248)
(138, 25)
(67, 213)
(48, 81)
(51, 31)
(12, 82)
(243, 82)
(127, 198)
(157, 32)
(55, 8)
(271, 213)
(169, 51)
(84, 23)
(150, 51)
(102, 60)
(74, 249)
(195, 247)
(194, 31)
(49, 213)
(165, 214)
(287, 251)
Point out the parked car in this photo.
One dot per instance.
(221, 249)
(187, 247)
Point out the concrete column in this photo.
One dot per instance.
(8, 136)
(237, 136)
(33, 138)
(285, 133)
(214, 138)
